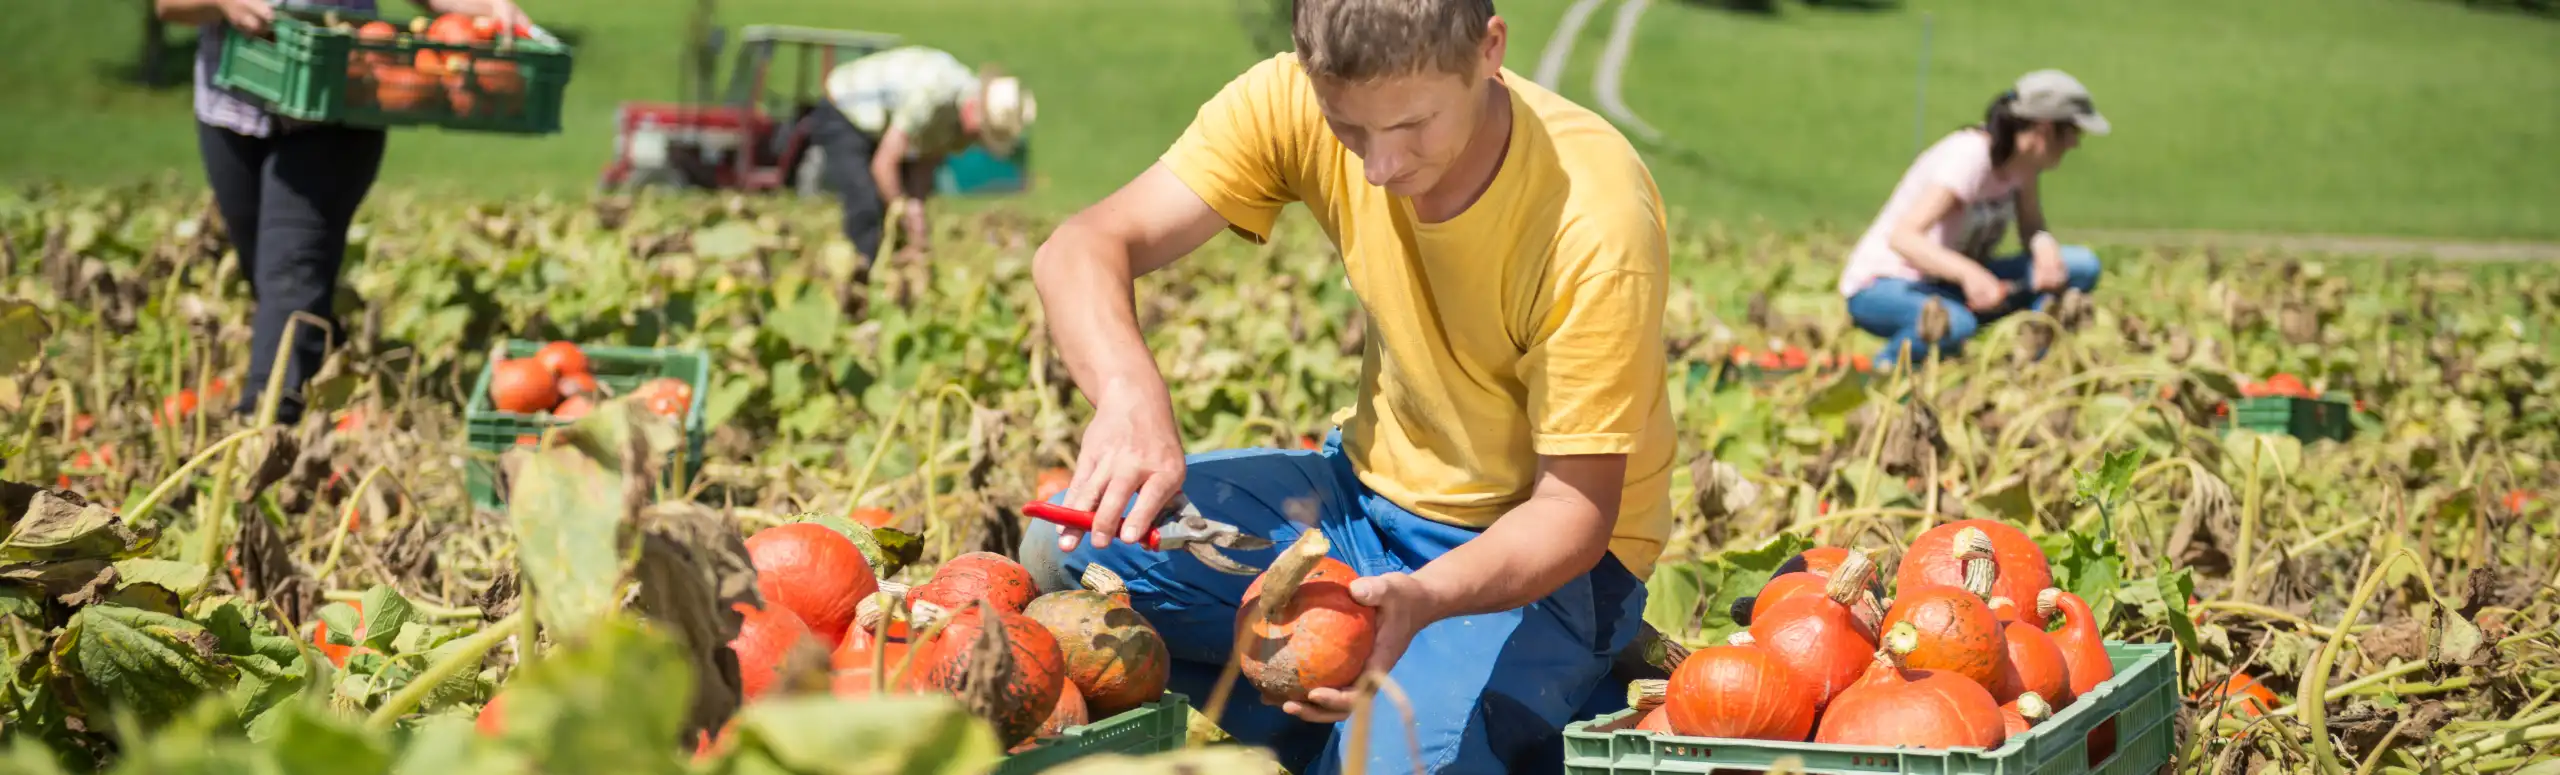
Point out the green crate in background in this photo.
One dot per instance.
(313, 72)
(618, 370)
(2142, 700)
(1155, 727)
(2308, 419)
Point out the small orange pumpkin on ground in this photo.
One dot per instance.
(2240, 696)
(337, 654)
(1302, 629)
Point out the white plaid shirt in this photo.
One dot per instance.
(914, 88)
(242, 113)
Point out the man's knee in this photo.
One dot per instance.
(2080, 267)
(1039, 553)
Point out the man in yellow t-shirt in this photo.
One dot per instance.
(1502, 485)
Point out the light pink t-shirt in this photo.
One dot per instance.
(1986, 206)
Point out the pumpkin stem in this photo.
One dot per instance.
(897, 588)
(1741, 638)
(1105, 581)
(2032, 707)
(1980, 570)
(2048, 602)
(1646, 694)
(2002, 608)
(1659, 650)
(1280, 583)
(1901, 640)
(924, 614)
(1855, 576)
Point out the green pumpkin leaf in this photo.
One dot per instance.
(151, 664)
(2174, 588)
(386, 613)
(183, 578)
(341, 619)
(612, 698)
(23, 332)
(57, 529)
(911, 734)
(309, 741)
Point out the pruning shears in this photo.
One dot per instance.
(1187, 530)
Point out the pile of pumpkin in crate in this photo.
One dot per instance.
(1964, 654)
(1031, 665)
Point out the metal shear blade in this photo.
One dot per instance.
(1203, 537)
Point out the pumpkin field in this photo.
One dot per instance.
(829, 590)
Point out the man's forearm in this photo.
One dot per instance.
(1536, 548)
(1087, 290)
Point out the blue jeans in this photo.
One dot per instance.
(1550, 657)
(1891, 307)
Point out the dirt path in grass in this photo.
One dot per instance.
(2339, 244)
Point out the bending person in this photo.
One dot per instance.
(889, 121)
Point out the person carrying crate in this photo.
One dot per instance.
(1502, 483)
(1934, 236)
(286, 190)
(891, 118)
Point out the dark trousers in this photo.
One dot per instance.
(846, 170)
(287, 201)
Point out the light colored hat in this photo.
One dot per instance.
(1005, 110)
(2053, 95)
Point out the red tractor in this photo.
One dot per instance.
(756, 136)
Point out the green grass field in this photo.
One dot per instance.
(2408, 117)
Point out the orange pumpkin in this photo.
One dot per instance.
(1894, 706)
(1303, 630)
(1115, 661)
(1740, 692)
(1828, 639)
(2033, 664)
(1937, 557)
(1025, 687)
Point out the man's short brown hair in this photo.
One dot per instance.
(1360, 40)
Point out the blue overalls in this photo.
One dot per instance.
(1491, 693)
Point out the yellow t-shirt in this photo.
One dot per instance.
(1530, 324)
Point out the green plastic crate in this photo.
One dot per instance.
(2142, 700)
(618, 370)
(2308, 419)
(1155, 727)
(303, 72)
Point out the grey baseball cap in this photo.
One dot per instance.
(2053, 95)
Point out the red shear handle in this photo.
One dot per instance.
(1080, 520)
